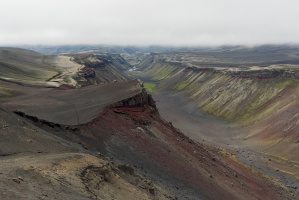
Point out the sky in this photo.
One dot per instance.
(149, 22)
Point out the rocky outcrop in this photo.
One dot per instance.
(140, 100)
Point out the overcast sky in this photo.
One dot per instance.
(149, 22)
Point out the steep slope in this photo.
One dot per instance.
(131, 131)
(241, 96)
(35, 164)
(258, 104)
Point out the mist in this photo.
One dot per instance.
(164, 22)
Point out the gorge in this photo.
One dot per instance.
(201, 124)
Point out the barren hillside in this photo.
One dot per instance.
(98, 135)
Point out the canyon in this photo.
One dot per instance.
(201, 124)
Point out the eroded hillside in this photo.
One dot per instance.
(259, 103)
(132, 133)
(36, 164)
(96, 138)
(240, 95)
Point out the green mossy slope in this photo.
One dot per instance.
(237, 99)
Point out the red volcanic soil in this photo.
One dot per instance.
(132, 131)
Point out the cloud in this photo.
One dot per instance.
(144, 22)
